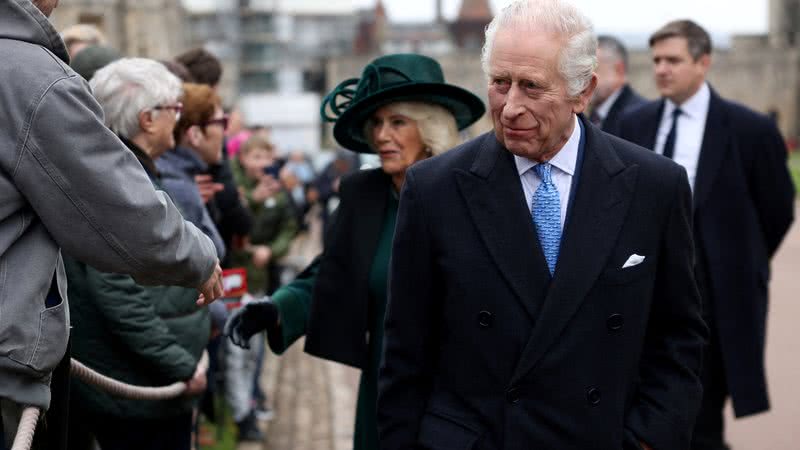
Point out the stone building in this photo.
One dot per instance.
(147, 28)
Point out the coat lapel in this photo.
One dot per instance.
(618, 106)
(716, 139)
(650, 127)
(605, 188)
(495, 200)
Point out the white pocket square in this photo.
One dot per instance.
(633, 260)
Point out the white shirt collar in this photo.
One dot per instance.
(695, 107)
(566, 158)
(604, 107)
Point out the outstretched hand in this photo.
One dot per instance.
(197, 384)
(212, 288)
(251, 318)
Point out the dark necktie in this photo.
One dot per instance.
(669, 145)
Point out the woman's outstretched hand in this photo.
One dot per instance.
(253, 317)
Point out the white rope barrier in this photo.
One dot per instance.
(30, 415)
(27, 425)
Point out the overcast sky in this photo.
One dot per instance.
(626, 16)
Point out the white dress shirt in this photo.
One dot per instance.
(691, 128)
(563, 168)
(605, 107)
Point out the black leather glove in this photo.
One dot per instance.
(251, 318)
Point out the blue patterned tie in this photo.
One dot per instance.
(547, 215)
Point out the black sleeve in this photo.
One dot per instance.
(771, 186)
(232, 217)
(669, 392)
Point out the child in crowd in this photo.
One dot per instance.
(274, 226)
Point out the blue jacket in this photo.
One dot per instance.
(178, 168)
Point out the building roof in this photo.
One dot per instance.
(417, 31)
(475, 10)
(292, 7)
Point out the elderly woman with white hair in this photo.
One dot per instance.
(143, 335)
(401, 109)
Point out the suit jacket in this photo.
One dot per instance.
(483, 350)
(339, 315)
(627, 99)
(743, 206)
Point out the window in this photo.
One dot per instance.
(258, 82)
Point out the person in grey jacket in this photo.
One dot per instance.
(67, 182)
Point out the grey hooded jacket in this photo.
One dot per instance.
(67, 182)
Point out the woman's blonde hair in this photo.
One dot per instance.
(436, 124)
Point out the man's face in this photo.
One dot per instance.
(46, 6)
(532, 114)
(610, 75)
(678, 76)
(163, 126)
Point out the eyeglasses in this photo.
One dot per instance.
(219, 120)
(177, 107)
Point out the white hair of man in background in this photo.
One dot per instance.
(612, 68)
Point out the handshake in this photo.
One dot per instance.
(254, 317)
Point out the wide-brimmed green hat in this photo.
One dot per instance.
(389, 79)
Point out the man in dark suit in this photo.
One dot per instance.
(743, 205)
(613, 94)
(542, 294)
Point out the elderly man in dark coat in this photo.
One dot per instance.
(542, 292)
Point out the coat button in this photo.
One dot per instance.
(485, 319)
(615, 322)
(513, 395)
(593, 396)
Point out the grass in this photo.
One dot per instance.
(794, 167)
(225, 434)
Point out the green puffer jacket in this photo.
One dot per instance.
(274, 225)
(142, 335)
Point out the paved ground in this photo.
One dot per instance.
(314, 399)
(779, 429)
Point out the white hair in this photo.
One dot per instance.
(436, 124)
(578, 56)
(129, 86)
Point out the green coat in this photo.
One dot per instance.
(142, 335)
(299, 304)
(274, 225)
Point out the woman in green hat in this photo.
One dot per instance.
(401, 109)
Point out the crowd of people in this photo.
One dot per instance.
(592, 273)
(233, 184)
(226, 181)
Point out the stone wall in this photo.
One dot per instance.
(760, 77)
(145, 28)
